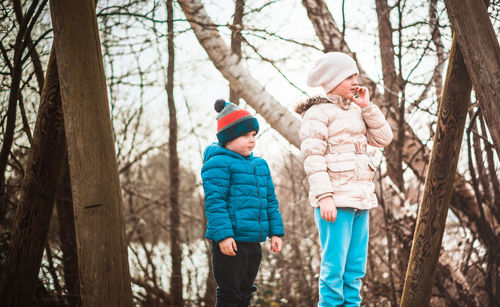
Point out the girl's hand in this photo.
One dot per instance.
(228, 247)
(276, 244)
(328, 209)
(363, 99)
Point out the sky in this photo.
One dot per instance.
(199, 83)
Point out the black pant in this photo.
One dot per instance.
(235, 274)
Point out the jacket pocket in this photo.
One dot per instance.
(366, 169)
(342, 171)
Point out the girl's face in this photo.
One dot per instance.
(346, 88)
(244, 144)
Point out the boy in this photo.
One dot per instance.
(240, 205)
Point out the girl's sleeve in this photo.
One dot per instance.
(273, 213)
(313, 136)
(379, 132)
(216, 178)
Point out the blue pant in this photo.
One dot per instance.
(344, 246)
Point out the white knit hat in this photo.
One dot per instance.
(331, 69)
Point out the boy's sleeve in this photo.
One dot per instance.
(313, 136)
(273, 213)
(216, 179)
(378, 132)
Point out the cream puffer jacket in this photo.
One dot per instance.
(334, 136)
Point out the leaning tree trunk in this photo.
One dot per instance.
(36, 200)
(479, 45)
(173, 159)
(438, 187)
(102, 250)
(228, 64)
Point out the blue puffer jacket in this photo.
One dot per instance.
(239, 197)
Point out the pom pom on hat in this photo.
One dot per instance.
(219, 105)
(233, 121)
(331, 69)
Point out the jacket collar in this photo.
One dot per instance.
(216, 149)
(342, 102)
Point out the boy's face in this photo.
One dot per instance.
(346, 88)
(243, 144)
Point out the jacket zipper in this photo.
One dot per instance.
(260, 202)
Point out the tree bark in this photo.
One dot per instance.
(227, 63)
(236, 39)
(102, 250)
(439, 183)
(481, 50)
(394, 151)
(173, 159)
(36, 200)
(326, 29)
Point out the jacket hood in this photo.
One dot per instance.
(216, 149)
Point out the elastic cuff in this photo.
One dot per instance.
(324, 195)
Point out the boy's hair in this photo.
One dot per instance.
(233, 121)
(331, 69)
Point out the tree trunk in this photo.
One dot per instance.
(227, 63)
(67, 237)
(236, 39)
(173, 159)
(102, 250)
(393, 152)
(36, 200)
(439, 184)
(326, 29)
(481, 50)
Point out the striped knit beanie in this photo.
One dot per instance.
(233, 121)
(331, 69)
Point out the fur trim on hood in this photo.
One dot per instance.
(303, 106)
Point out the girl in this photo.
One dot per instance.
(335, 132)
